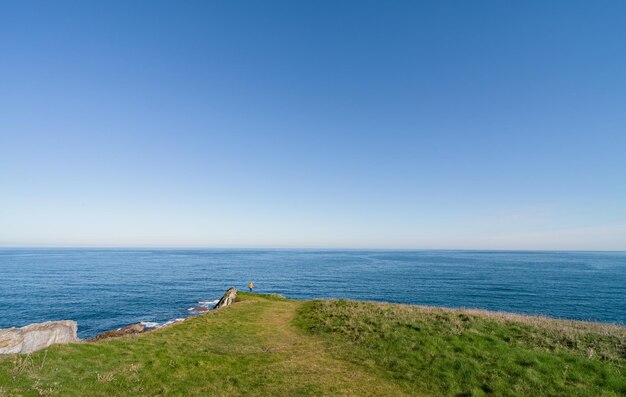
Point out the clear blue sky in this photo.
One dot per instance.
(442, 124)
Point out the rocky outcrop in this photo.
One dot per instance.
(136, 328)
(35, 337)
(227, 299)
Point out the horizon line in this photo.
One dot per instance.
(320, 248)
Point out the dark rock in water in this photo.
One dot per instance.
(227, 299)
(37, 336)
(136, 328)
(199, 309)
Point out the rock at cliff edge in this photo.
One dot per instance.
(35, 337)
(227, 299)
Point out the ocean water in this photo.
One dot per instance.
(108, 288)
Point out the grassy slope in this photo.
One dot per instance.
(473, 353)
(265, 346)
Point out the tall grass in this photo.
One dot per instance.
(470, 352)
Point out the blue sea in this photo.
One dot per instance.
(108, 288)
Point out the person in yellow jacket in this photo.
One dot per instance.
(250, 286)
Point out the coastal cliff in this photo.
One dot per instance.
(38, 336)
(266, 345)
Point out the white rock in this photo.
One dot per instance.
(35, 337)
(227, 299)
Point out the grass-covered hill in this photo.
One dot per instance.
(269, 346)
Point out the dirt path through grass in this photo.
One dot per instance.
(267, 346)
(249, 349)
(306, 359)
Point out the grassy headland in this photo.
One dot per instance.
(268, 346)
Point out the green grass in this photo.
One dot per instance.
(473, 353)
(266, 345)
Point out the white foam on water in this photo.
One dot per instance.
(152, 324)
(208, 303)
(173, 321)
